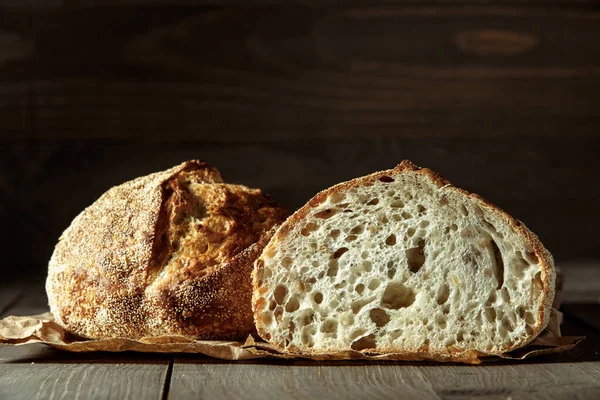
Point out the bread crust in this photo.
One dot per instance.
(108, 275)
(457, 354)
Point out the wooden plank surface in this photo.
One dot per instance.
(571, 375)
(41, 372)
(269, 74)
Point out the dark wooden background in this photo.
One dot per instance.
(503, 101)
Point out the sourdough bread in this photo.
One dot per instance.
(166, 254)
(401, 261)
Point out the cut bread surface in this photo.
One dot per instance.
(400, 261)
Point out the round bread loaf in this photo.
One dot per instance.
(166, 254)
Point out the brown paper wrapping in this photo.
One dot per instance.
(42, 329)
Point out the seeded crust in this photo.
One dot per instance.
(453, 353)
(170, 253)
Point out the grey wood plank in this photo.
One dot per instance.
(38, 371)
(203, 378)
(31, 372)
(281, 72)
(575, 374)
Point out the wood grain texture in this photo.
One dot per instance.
(38, 371)
(275, 73)
(201, 378)
(573, 375)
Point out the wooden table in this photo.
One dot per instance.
(37, 371)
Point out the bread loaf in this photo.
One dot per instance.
(166, 254)
(402, 262)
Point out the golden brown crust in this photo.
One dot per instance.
(123, 268)
(546, 260)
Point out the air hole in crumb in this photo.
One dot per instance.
(292, 305)
(278, 313)
(309, 228)
(531, 257)
(286, 261)
(374, 284)
(325, 214)
(367, 342)
(339, 252)
(367, 266)
(505, 295)
(280, 293)
(411, 232)
(529, 330)
(416, 256)
(307, 336)
(357, 230)
(266, 318)
(334, 233)
(332, 268)
(357, 305)
(397, 204)
(443, 201)
(305, 317)
(359, 288)
(396, 217)
(421, 209)
(441, 322)
(351, 238)
(536, 285)
(463, 210)
(329, 326)
(386, 179)
(357, 333)
(391, 240)
(490, 314)
(373, 202)
(406, 215)
(491, 299)
(443, 294)
(347, 319)
(318, 297)
(391, 269)
(529, 318)
(272, 305)
(460, 337)
(397, 296)
(424, 224)
(454, 227)
(364, 255)
(379, 317)
(498, 264)
(506, 324)
(336, 197)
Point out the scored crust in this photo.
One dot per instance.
(545, 258)
(170, 253)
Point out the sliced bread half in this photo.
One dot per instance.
(400, 261)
